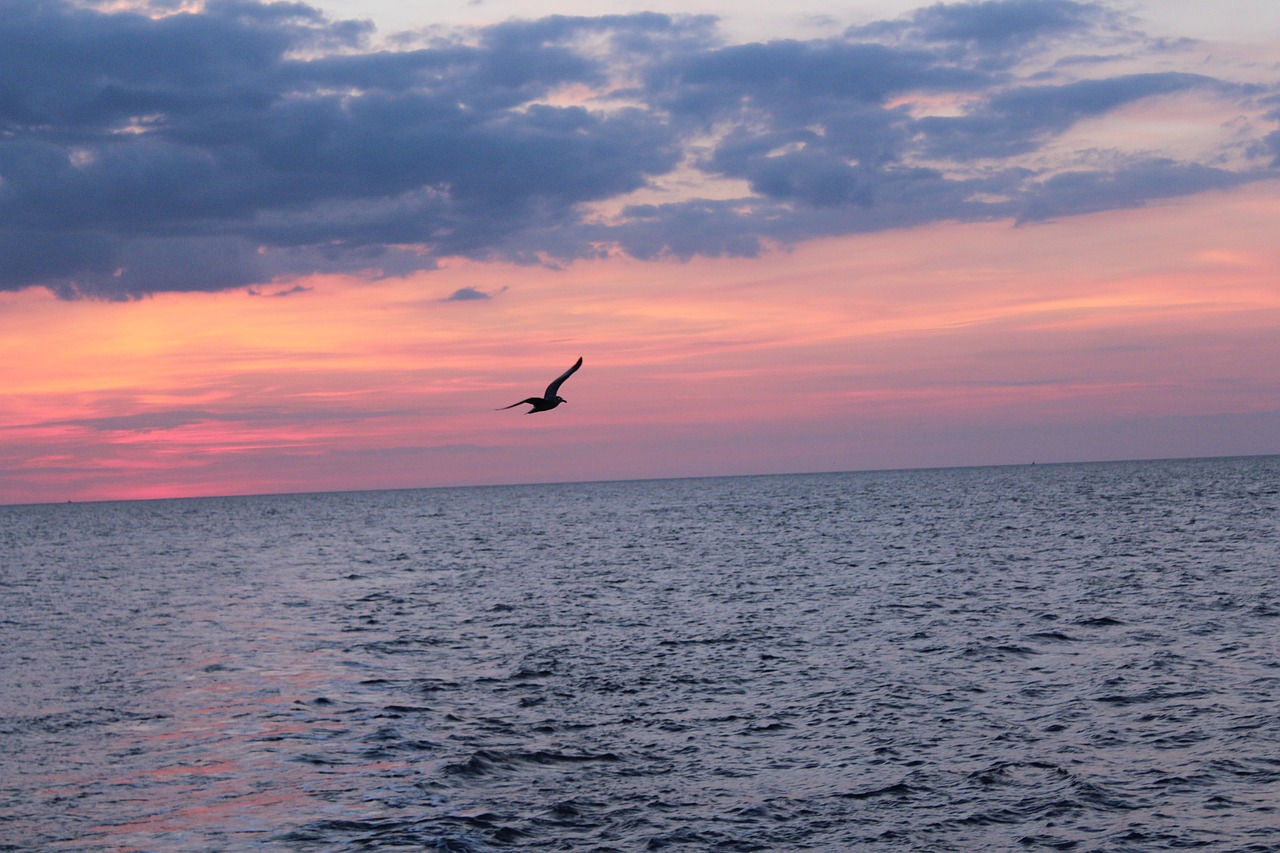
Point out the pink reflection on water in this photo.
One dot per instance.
(246, 744)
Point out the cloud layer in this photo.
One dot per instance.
(142, 151)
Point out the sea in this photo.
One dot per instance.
(1036, 657)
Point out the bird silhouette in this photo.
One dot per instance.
(551, 398)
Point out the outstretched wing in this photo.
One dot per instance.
(533, 401)
(554, 387)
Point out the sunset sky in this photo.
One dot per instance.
(250, 248)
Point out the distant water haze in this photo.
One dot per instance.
(1034, 657)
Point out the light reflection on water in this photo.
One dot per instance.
(1015, 657)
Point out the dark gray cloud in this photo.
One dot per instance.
(471, 294)
(1271, 145)
(250, 141)
(1020, 119)
(1071, 193)
(1005, 23)
(992, 34)
(281, 294)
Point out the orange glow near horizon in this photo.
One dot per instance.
(883, 350)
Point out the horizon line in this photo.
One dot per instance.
(1033, 463)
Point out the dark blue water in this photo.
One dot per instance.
(1047, 657)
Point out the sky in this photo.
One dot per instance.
(256, 248)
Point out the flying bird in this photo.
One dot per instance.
(551, 398)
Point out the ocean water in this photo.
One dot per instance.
(1063, 657)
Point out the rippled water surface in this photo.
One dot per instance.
(1046, 657)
